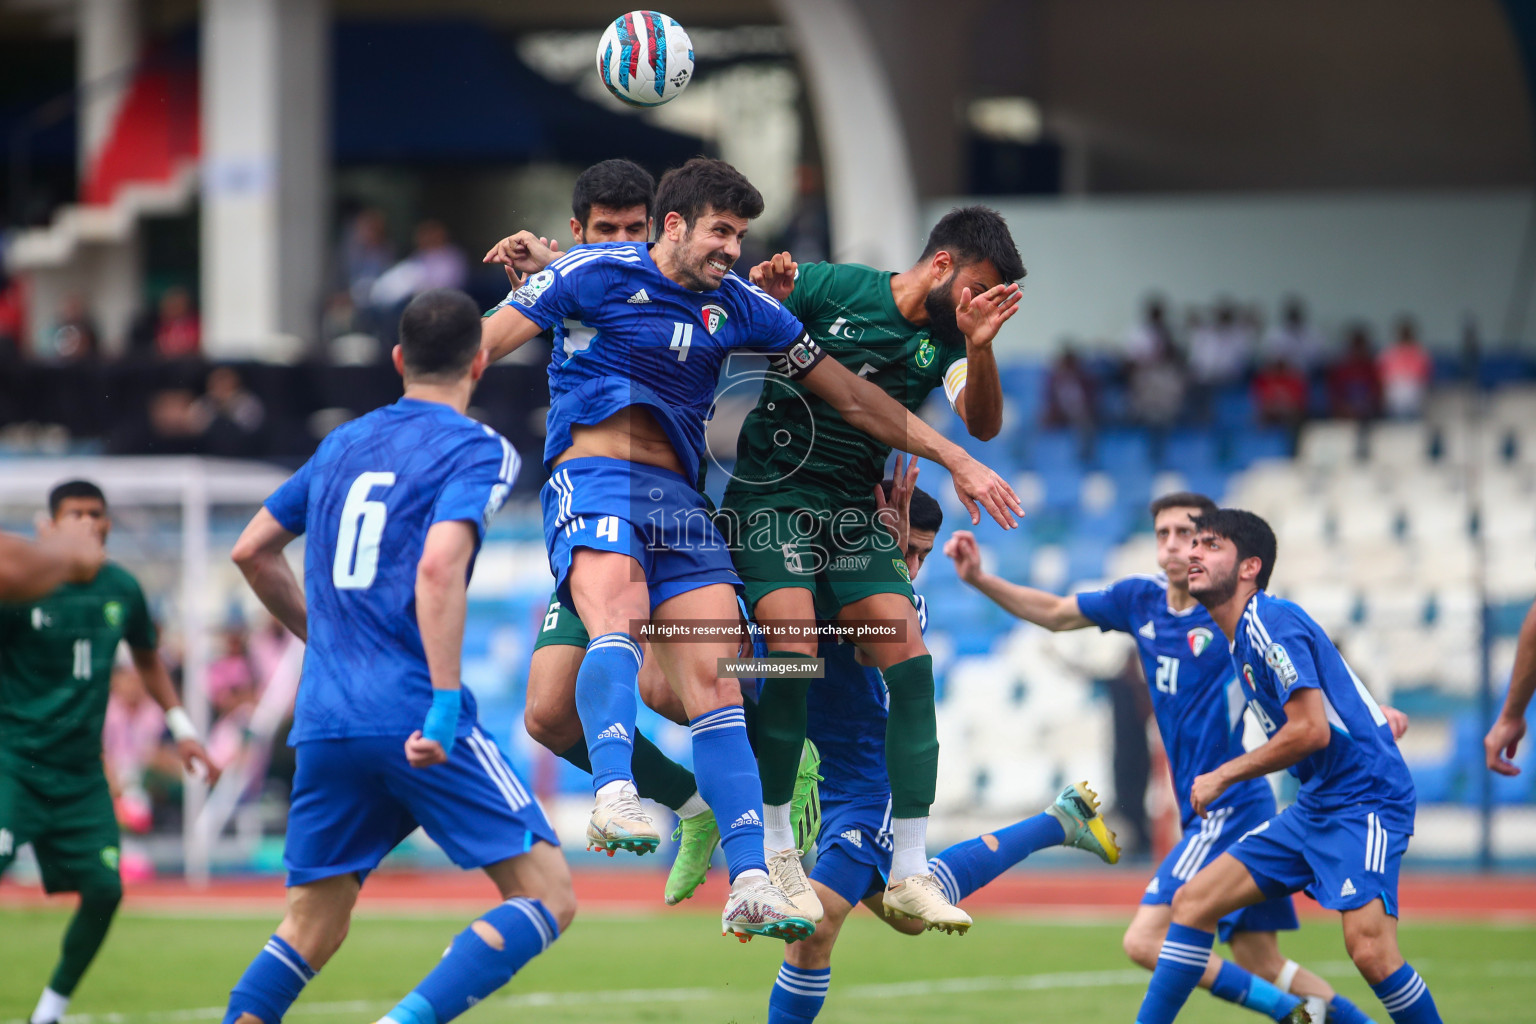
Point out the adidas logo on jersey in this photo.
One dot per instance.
(1347, 889)
(1153, 886)
(1148, 631)
(639, 297)
(855, 837)
(748, 820)
(616, 731)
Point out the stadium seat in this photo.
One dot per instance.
(1053, 450)
(1119, 449)
(1398, 446)
(1232, 409)
(1331, 604)
(1366, 519)
(1394, 608)
(1186, 450)
(1250, 446)
(1328, 444)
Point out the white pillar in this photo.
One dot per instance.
(265, 114)
(871, 191)
(107, 43)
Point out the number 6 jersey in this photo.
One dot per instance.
(366, 500)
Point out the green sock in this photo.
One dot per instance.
(781, 732)
(657, 776)
(86, 932)
(911, 737)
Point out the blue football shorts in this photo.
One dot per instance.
(355, 799)
(1201, 844)
(1342, 859)
(853, 850)
(651, 514)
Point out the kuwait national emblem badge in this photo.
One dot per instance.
(714, 318)
(1199, 639)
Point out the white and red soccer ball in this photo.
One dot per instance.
(645, 58)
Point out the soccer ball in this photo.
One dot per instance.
(645, 58)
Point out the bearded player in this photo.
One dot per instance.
(56, 657)
(800, 501)
(629, 534)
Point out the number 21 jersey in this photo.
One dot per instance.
(366, 500)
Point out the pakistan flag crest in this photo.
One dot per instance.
(112, 611)
(1199, 639)
(925, 353)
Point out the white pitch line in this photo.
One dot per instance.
(898, 990)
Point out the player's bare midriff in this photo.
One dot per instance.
(631, 434)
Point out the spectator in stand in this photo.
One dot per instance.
(1406, 369)
(167, 425)
(435, 263)
(366, 253)
(1279, 393)
(74, 336)
(171, 331)
(1158, 384)
(1354, 384)
(229, 419)
(1071, 397)
(1220, 354)
(13, 318)
(1293, 340)
(1148, 339)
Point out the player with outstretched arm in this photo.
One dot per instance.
(629, 537)
(395, 505)
(1343, 840)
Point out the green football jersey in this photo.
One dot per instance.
(56, 658)
(793, 440)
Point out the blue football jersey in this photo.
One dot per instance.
(366, 500)
(845, 718)
(1279, 650)
(1195, 693)
(654, 343)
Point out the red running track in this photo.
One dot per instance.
(1066, 894)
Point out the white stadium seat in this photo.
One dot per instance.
(1328, 443)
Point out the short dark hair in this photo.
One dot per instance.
(974, 233)
(1182, 499)
(703, 184)
(617, 184)
(925, 512)
(440, 333)
(73, 489)
(1248, 533)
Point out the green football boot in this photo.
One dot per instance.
(696, 839)
(1077, 808)
(805, 807)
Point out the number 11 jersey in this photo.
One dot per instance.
(366, 500)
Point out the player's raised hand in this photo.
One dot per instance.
(522, 254)
(979, 486)
(981, 317)
(424, 753)
(966, 554)
(1206, 790)
(1397, 721)
(195, 759)
(776, 276)
(1501, 742)
(76, 542)
(896, 514)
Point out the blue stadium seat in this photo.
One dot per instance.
(1123, 450)
(1053, 449)
(1062, 485)
(1231, 408)
(1085, 557)
(1185, 450)
(1249, 446)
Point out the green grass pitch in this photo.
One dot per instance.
(675, 966)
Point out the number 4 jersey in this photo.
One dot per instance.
(366, 500)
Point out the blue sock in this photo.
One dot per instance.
(473, 968)
(1407, 998)
(966, 867)
(1179, 967)
(798, 994)
(728, 782)
(1342, 1011)
(606, 687)
(271, 984)
(1236, 985)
